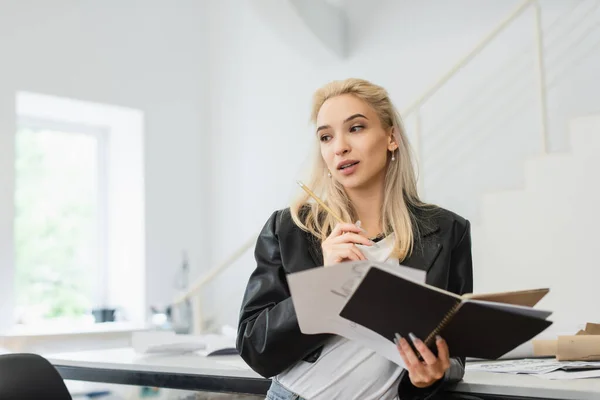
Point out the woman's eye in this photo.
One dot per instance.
(356, 128)
(325, 138)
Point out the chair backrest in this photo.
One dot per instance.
(30, 377)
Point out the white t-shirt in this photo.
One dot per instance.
(345, 370)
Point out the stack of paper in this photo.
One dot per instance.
(543, 368)
(149, 342)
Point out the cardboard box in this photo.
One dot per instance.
(578, 348)
(583, 346)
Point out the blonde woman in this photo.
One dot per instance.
(364, 172)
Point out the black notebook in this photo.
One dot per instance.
(478, 326)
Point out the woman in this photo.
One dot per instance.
(363, 170)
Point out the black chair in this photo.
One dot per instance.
(30, 377)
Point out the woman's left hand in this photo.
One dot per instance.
(424, 373)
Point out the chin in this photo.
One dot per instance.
(353, 182)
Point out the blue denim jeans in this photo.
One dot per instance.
(278, 392)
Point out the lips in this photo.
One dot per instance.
(346, 164)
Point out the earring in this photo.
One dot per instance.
(393, 156)
(329, 174)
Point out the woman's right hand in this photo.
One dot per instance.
(340, 245)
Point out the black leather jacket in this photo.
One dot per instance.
(269, 338)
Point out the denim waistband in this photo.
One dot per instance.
(278, 392)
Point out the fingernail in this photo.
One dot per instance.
(398, 337)
(438, 337)
(413, 338)
(396, 341)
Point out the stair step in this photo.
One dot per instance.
(585, 135)
(542, 171)
(545, 234)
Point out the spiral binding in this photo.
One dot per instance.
(442, 324)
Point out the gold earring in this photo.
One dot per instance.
(329, 174)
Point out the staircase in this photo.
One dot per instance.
(547, 233)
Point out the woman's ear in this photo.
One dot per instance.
(392, 144)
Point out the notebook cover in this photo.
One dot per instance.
(387, 304)
(483, 332)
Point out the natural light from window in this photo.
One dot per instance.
(78, 221)
(58, 223)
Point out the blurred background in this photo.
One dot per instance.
(145, 142)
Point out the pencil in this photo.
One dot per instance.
(321, 203)
(329, 210)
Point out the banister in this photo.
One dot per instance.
(468, 57)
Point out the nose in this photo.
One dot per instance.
(341, 146)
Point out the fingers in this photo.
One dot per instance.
(350, 237)
(341, 228)
(357, 252)
(443, 352)
(347, 251)
(427, 355)
(341, 244)
(431, 369)
(407, 353)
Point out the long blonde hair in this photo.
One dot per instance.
(400, 194)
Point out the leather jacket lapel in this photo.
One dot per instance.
(423, 257)
(425, 251)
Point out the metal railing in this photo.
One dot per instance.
(414, 110)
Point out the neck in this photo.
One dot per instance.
(368, 203)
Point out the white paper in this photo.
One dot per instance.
(566, 375)
(149, 342)
(319, 295)
(532, 366)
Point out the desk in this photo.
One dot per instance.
(231, 374)
(495, 386)
(186, 372)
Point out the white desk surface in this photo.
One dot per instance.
(475, 382)
(528, 386)
(127, 359)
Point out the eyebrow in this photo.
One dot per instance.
(350, 118)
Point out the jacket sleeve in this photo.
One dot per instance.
(269, 338)
(460, 281)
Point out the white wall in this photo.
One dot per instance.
(260, 99)
(147, 55)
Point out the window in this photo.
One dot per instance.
(77, 223)
(59, 226)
